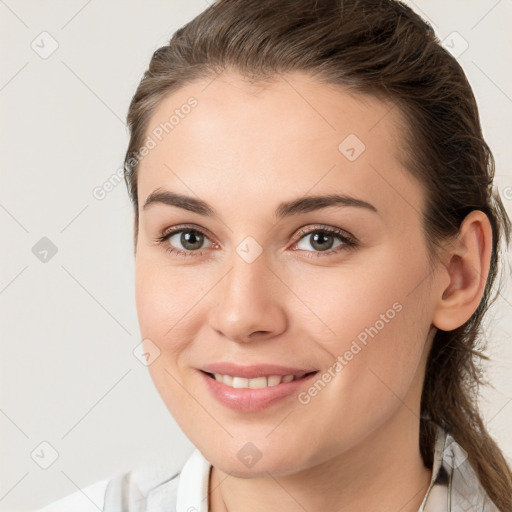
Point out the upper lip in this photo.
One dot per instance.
(253, 371)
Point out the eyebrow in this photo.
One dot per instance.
(285, 209)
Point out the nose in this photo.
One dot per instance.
(251, 302)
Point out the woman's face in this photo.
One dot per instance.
(260, 282)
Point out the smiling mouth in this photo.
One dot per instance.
(257, 382)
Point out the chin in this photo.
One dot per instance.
(274, 463)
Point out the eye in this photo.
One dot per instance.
(183, 241)
(324, 241)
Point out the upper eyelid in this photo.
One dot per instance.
(329, 229)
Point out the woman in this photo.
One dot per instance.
(316, 238)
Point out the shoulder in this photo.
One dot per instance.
(132, 490)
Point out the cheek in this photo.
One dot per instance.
(165, 295)
(376, 319)
(166, 299)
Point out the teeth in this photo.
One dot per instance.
(256, 383)
(274, 380)
(239, 382)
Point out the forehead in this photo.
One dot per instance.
(227, 138)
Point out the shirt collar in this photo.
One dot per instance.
(454, 486)
(193, 484)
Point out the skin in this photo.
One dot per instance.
(244, 149)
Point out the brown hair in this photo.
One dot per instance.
(382, 48)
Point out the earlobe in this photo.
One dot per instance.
(466, 269)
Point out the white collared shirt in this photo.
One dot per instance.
(454, 487)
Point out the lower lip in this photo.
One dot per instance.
(251, 400)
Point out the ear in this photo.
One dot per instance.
(465, 268)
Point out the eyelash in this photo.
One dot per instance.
(349, 242)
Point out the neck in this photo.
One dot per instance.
(384, 472)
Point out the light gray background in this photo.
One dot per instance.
(69, 325)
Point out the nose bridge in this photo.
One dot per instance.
(248, 269)
(250, 265)
(247, 282)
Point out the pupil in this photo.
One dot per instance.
(319, 240)
(192, 238)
